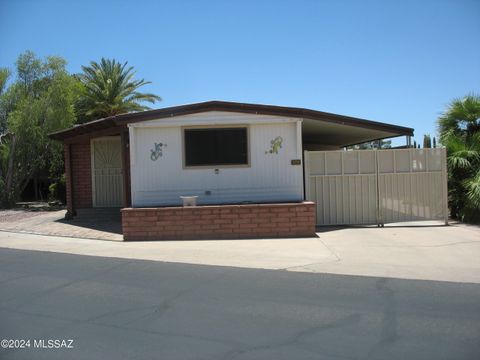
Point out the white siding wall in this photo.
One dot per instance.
(269, 178)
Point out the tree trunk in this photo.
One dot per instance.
(35, 185)
(10, 170)
(26, 180)
(2, 136)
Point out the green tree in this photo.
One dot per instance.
(459, 128)
(39, 101)
(5, 106)
(109, 88)
(4, 75)
(427, 141)
(379, 144)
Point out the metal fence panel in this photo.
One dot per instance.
(377, 186)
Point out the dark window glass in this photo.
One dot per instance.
(222, 146)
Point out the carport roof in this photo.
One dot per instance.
(318, 127)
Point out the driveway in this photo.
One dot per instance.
(443, 253)
(100, 224)
(134, 309)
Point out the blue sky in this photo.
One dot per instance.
(399, 62)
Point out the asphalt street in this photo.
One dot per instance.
(136, 309)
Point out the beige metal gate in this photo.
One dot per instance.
(377, 186)
(107, 179)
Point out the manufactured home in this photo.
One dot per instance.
(241, 164)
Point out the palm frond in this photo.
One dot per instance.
(473, 190)
(110, 89)
(461, 114)
(458, 162)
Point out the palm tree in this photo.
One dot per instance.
(460, 132)
(462, 116)
(110, 89)
(463, 160)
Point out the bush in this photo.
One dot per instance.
(57, 190)
(460, 133)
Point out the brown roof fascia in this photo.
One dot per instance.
(82, 129)
(124, 119)
(109, 131)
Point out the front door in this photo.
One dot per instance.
(107, 179)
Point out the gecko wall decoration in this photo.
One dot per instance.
(275, 145)
(157, 151)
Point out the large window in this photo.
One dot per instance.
(218, 146)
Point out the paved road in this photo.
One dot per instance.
(135, 309)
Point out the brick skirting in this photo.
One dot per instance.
(219, 222)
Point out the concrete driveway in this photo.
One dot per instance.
(444, 253)
(100, 224)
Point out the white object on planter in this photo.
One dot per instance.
(189, 200)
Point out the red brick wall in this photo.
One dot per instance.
(220, 221)
(68, 190)
(81, 175)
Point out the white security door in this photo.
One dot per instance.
(107, 180)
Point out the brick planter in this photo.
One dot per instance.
(219, 222)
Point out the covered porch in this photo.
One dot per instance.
(97, 170)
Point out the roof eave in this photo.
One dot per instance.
(180, 110)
